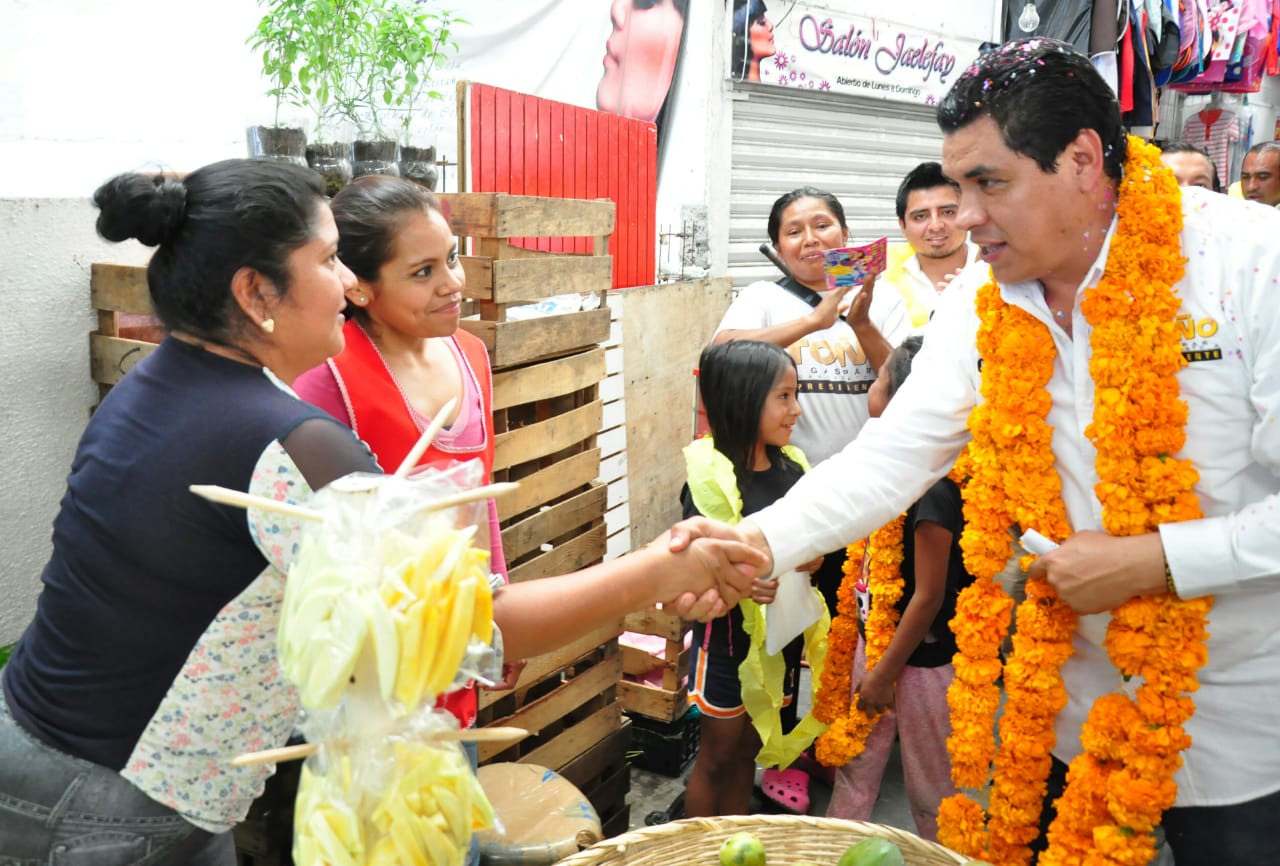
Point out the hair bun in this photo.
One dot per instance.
(150, 208)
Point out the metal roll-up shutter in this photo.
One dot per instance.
(857, 148)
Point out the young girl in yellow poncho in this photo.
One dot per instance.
(749, 391)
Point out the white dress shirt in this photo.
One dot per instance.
(1231, 320)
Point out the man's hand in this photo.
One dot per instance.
(1095, 572)
(684, 532)
(742, 556)
(702, 608)
(716, 567)
(811, 567)
(859, 314)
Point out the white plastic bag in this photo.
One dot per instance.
(796, 607)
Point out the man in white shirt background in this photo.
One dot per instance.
(927, 204)
(1191, 165)
(1260, 174)
(1033, 135)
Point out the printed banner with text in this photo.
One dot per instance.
(813, 48)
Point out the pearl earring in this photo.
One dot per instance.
(269, 325)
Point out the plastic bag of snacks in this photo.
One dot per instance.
(388, 579)
(388, 605)
(400, 800)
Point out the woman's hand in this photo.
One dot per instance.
(826, 313)
(510, 676)
(859, 313)
(943, 284)
(875, 693)
(714, 565)
(764, 591)
(811, 567)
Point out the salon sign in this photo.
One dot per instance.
(818, 49)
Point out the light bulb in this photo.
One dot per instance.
(1029, 20)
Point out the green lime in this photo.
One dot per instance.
(742, 849)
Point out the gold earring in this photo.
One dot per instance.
(269, 325)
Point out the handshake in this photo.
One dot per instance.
(712, 566)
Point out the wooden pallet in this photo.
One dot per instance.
(126, 334)
(501, 274)
(265, 836)
(603, 775)
(568, 698)
(547, 412)
(669, 701)
(552, 687)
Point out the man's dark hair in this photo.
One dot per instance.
(1264, 147)
(1041, 93)
(1188, 147)
(926, 175)
(899, 366)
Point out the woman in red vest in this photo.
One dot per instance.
(405, 356)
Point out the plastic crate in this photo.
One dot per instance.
(665, 747)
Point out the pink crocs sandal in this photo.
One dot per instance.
(788, 788)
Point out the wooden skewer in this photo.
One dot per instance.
(304, 750)
(481, 735)
(424, 441)
(275, 756)
(227, 496)
(489, 491)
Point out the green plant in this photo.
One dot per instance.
(366, 61)
(304, 45)
(410, 40)
(5, 652)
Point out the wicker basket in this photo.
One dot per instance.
(786, 838)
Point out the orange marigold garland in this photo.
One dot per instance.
(1120, 786)
(832, 699)
(1012, 483)
(848, 726)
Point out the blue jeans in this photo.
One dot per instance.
(58, 810)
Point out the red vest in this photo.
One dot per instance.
(379, 415)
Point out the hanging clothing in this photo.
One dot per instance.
(1214, 129)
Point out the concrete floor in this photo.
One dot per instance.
(653, 793)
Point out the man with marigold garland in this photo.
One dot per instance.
(1114, 385)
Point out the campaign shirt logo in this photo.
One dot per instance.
(1198, 338)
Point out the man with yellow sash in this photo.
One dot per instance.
(936, 249)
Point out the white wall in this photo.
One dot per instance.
(88, 89)
(45, 391)
(690, 173)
